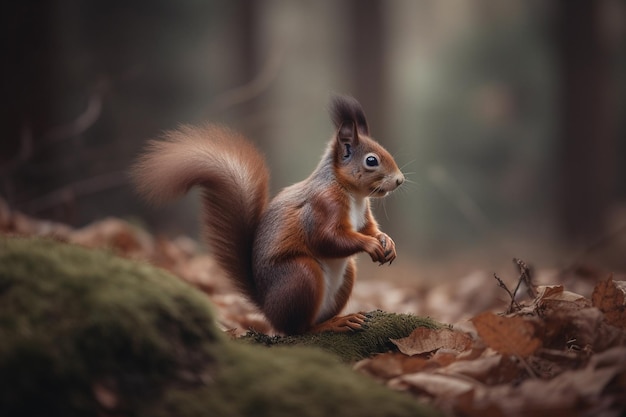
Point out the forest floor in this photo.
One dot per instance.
(535, 343)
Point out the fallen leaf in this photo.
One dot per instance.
(609, 297)
(423, 340)
(490, 369)
(507, 335)
(120, 236)
(456, 300)
(384, 366)
(392, 364)
(21, 224)
(555, 297)
(434, 385)
(580, 329)
(444, 357)
(572, 392)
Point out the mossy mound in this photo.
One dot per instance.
(353, 346)
(83, 332)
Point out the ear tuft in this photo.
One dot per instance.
(347, 131)
(347, 109)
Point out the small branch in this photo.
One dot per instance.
(502, 285)
(528, 368)
(85, 120)
(525, 276)
(260, 83)
(69, 192)
(80, 124)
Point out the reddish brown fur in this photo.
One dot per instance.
(234, 180)
(293, 256)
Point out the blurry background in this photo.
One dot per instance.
(507, 115)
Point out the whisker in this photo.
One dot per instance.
(408, 163)
(409, 183)
(378, 202)
(385, 210)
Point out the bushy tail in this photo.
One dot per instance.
(234, 181)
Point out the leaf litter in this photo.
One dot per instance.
(551, 352)
(556, 353)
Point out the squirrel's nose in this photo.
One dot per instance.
(399, 180)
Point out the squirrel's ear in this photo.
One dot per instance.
(346, 108)
(347, 139)
(361, 121)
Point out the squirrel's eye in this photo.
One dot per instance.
(371, 161)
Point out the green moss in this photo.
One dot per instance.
(70, 318)
(289, 382)
(353, 346)
(83, 332)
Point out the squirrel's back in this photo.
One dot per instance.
(234, 181)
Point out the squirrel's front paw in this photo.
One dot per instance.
(389, 248)
(375, 249)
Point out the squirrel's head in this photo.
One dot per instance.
(361, 164)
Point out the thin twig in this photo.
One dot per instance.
(80, 124)
(502, 285)
(79, 188)
(260, 83)
(528, 368)
(525, 276)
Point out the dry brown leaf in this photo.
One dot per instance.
(444, 357)
(423, 340)
(384, 366)
(580, 329)
(202, 272)
(392, 364)
(555, 297)
(441, 386)
(456, 300)
(609, 297)
(21, 224)
(573, 392)
(120, 236)
(507, 335)
(490, 369)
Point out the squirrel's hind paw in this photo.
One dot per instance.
(341, 324)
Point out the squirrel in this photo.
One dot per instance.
(293, 256)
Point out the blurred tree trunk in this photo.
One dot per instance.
(245, 108)
(244, 47)
(368, 61)
(587, 150)
(28, 59)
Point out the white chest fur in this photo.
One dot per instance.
(334, 269)
(357, 212)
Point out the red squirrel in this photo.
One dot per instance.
(293, 256)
